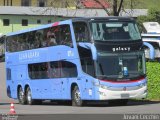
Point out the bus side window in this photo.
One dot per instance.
(51, 37)
(54, 70)
(68, 69)
(81, 31)
(66, 35)
(38, 71)
(9, 74)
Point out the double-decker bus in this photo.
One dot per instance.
(77, 60)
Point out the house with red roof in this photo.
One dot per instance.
(93, 4)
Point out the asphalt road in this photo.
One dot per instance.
(136, 107)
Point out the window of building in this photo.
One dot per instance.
(7, 2)
(38, 21)
(24, 22)
(49, 21)
(42, 3)
(25, 2)
(5, 22)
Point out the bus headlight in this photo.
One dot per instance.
(102, 93)
(99, 85)
(103, 86)
(95, 83)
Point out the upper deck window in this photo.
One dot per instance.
(108, 31)
(81, 32)
(52, 36)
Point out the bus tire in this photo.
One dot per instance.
(76, 98)
(30, 101)
(21, 96)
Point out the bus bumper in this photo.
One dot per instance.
(105, 94)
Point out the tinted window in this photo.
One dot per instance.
(38, 71)
(68, 69)
(105, 31)
(81, 32)
(58, 35)
(54, 69)
(63, 69)
(88, 66)
(8, 74)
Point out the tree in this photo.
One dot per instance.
(116, 8)
(153, 15)
(115, 5)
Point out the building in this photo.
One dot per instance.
(56, 3)
(34, 3)
(20, 14)
(16, 15)
(18, 18)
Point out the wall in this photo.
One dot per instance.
(16, 20)
(56, 3)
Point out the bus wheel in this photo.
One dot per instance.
(76, 97)
(30, 101)
(21, 96)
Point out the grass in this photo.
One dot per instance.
(153, 76)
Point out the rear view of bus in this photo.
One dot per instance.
(118, 59)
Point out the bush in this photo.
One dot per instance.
(153, 76)
(152, 16)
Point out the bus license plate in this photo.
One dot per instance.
(124, 95)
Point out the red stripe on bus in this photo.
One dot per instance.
(123, 81)
(55, 24)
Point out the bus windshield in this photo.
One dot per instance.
(120, 66)
(114, 30)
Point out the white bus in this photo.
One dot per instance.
(151, 35)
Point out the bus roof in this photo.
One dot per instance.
(70, 20)
(110, 18)
(152, 27)
(39, 27)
